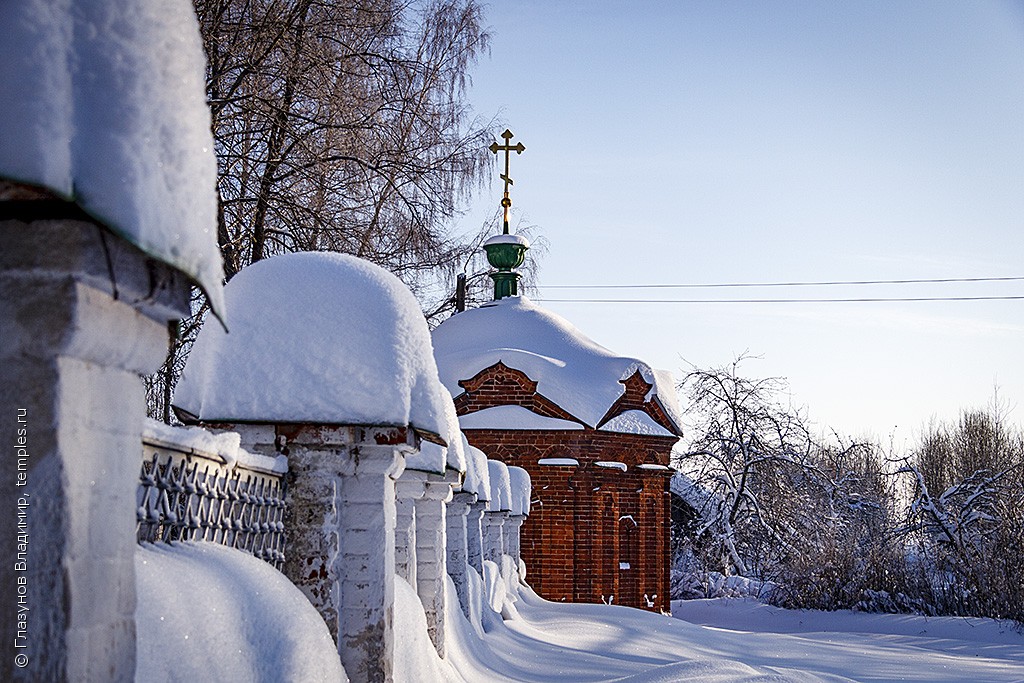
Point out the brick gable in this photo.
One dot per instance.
(500, 385)
(635, 398)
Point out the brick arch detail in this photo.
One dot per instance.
(500, 385)
(634, 397)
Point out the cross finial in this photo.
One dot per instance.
(518, 148)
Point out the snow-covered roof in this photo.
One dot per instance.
(581, 376)
(104, 103)
(508, 239)
(317, 338)
(501, 487)
(513, 417)
(519, 481)
(635, 422)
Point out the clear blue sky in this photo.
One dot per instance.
(702, 142)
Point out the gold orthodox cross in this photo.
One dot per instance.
(518, 148)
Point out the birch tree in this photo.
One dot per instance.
(342, 126)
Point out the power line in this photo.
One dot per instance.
(790, 284)
(782, 301)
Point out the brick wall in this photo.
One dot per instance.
(585, 520)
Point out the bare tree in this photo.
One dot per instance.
(342, 126)
(751, 456)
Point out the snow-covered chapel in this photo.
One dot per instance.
(593, 429)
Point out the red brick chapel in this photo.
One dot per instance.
(593, 429)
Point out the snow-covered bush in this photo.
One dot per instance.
(836, 525)
(966, 518)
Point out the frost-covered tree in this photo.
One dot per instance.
(965, 521)
(776, 504)
(751, 458)
(833, 524)
(851, 556)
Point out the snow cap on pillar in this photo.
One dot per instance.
(477, 479)
(435, 458)
(318, 338)
(105, 106)
(519, 482)
(501, 487)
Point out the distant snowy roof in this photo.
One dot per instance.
(321, 338)
(513, 417)
(576, 373)
(104, 103)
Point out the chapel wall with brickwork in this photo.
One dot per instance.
(596, 533)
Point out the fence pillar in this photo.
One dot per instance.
(83, 313)
(475, 536)
(341, 525)
(513, 527)
(408, 489)
(494, 536)
(458, 559)
(431, 554)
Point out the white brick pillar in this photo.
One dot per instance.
(475, 536)
(408, 490)
(367, 562)
(512, 528)
(431, 554)
(494, 536)
(82, 314)
(458, 560)
(341, 536)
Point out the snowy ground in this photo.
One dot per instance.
(206, 612)
(730, 640)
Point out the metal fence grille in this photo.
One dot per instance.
(187, 495)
